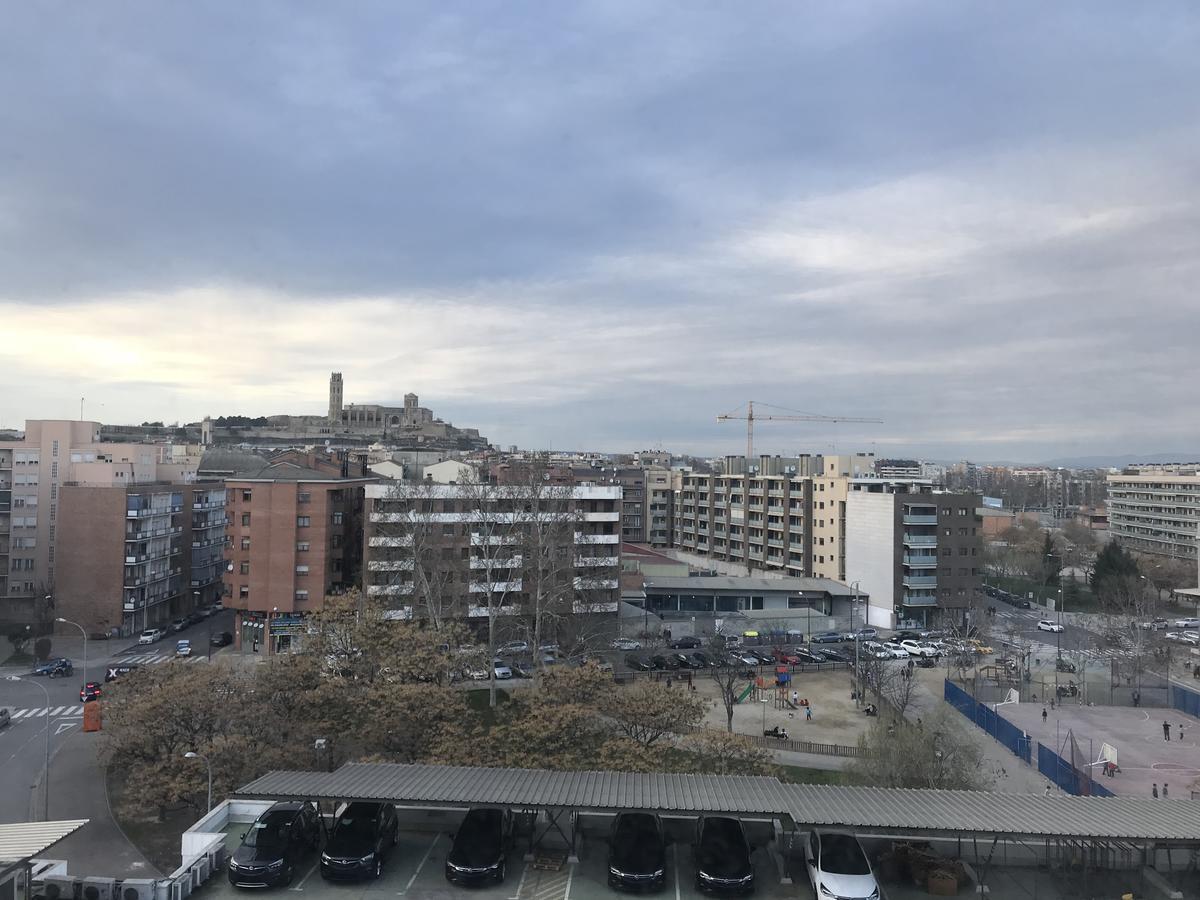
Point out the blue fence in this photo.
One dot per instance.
(1185, 701)
(1004, 731)
(1061, 773)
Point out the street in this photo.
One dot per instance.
(77, 788)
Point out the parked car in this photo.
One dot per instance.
(637, 857)
(480, 849)
(1064, 665)
(686, 662)
(360, 841)
(907, 635)
(979, 647)
(687, 642)
(513, 647)
(742, 658)
(838, 867)
(665, 662)
(807, 656)
(183, 647)
(178, 625)
(1184, 637)
(875, 649)
(926, 662)
(193, 618)
(221, 639)
(150, 635)
(764, 656)
(786, 656)
(1156, 624)
(703, 660)
(596, 660)
(723, 857)
(274, 845)
(827, 637)
(1049, 625)
(5, 717)
(89, 692)
(832, 655)
(55, 668)
(638, 663)
(1188, 622)
(626, 644)
(501, 670)
(862, 634)
(895, 651)
(917, 648)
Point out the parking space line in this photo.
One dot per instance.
(675, 857)
(520, 882)
(420, 865)
(307, 875)
(570, 876)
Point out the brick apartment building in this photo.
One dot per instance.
(294, 535)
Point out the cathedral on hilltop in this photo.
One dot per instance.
(409, 423)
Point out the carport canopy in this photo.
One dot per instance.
(926, 813)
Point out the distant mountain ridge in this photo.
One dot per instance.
(1118, 461)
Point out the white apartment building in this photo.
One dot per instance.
(483, 532)
(1156, 509)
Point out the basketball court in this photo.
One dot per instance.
(1132, 738)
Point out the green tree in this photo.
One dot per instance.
(1113, 561)
(940, 754)
(723, 753)
(647, 712)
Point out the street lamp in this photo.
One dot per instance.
(46, 766)
(84, 633)
(764, 703)
(854, 585)
(192, 754)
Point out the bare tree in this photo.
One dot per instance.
(424, 562)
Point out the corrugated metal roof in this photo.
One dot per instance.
(864, 808)
(23, 840)
(794, 584)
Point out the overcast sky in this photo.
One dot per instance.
(599, 225)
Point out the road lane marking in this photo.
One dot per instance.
(420, 866)
(63, 726)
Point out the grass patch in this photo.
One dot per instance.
(1078, 595)
(19, 659)
(804, 775)
(478, 701)
(159, 841)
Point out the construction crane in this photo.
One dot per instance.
(797, 416)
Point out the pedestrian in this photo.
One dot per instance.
(808, 714)
(920, 724)
(1164, 790)
(1047, 790)
(1043, 715)
(795, 698)
(1154, 791)
(1166, 731)
(1181, 731)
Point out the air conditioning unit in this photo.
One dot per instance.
(217, 857)
(137, 889)
(58, 887)
(200, 870)
(181, 889)
(98, 889)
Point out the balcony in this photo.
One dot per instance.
(581, 538)
(921, 562)
(595, 584)
(512, 562)
(495, 587)
(920, 540)
(602, 517)
(918, 600)
(914, 519)
(920, 581)
(586, 561)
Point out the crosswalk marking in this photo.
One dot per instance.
(56, 712)
(150, 659)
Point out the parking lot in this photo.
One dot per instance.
(416, 870)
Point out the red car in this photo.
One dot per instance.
(90, 691)
(784, 655)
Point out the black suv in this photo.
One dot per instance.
(687, 642)
(480, 847)
(273, 846)
(723, 857)
(361, 839)
(637, 853)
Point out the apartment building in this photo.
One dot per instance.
(294, 535)
(785, 513)
(659, 514)
(137, 555)
(1156, 509)
(34, 471)
(918, 553)
(482, 536)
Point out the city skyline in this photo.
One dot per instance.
(602, 226)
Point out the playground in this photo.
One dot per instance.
(835, 718)
(1136, 735)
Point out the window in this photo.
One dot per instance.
(246, 495)
(301, 596)
(962, 551)
(53, 470)
(962, 510)
(245, 518)
(304, 497)
(948, 532)
(245, 543)
(336, 541)
(244, 592)
(962, 532)
(301, 546)
(244, 567)
(301, 570)
(302, 521)
(947, 570)
(337, 518)
(447, 530)
(54, 448)
(756, 602)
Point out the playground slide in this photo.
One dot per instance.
(789, 704)
(746, 692)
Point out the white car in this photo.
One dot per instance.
(895, 651)
(1049, 625)
(478, 673)
(513, 647)
(150, 635)
(875, 649)
(501, 670)
(183, 648)
(1184, 637)
(1187, 623)
(1154, 625)
(919, 648)
(838, 867)
(626, 644)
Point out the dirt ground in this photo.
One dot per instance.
(835, 719)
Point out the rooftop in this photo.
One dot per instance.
(746, 583)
